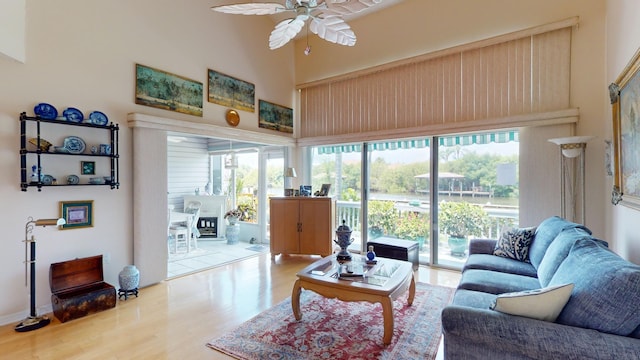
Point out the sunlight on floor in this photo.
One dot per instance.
(211, 253)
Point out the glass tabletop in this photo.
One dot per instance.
(357, 270)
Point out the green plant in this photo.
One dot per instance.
(350, 194)
(412, 225)
(383, 214)
(461, 219)
(248, 207)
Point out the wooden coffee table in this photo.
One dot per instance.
(382, 283)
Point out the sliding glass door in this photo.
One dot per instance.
(474, 194)
(398, 201)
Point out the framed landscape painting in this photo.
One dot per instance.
(275, 117)
(163, 90)
(625, 100)
(228, 91)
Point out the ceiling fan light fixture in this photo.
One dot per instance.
(326, 18)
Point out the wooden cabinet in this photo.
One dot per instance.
(302, 225)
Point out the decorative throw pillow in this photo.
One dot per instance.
(542, 304)
(514, 243)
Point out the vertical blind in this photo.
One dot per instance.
(522, 74)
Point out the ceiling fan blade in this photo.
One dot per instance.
(348, 7)
(333, 29)
(285, 31)
(250, 9)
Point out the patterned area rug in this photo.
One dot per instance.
(333, 329)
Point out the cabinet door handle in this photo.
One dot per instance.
(299, 227)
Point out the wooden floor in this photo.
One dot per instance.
(176, 318)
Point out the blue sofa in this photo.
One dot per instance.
(601, 319)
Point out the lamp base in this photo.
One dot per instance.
(32, 323)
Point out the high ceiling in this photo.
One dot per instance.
(223, 144)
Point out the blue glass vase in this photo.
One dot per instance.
(370, 254)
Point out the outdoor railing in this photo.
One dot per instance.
(349, 211)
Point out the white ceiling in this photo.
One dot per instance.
(276, 18)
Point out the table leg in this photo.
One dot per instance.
(189, 224)
(412, 291)
(387, 315)
(295, 300)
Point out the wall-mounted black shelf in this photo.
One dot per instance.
(39, 155)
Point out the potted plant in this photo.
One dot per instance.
(233, 216)
(382, 217)
(459, 220)
(413, 226)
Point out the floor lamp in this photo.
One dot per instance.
(572, 178)
(33, 321)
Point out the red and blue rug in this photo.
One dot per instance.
(334, 329)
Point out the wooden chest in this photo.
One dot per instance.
(78, 288)
(398, 249)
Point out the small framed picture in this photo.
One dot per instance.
(288, 192)
(88, 167)
(305, 190)
(78, 214)
(324, 190)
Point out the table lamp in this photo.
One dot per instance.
(289, 173)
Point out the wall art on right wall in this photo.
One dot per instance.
(625, 101)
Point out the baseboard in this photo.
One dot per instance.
(17, 317)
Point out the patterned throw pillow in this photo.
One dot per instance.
(514, 243)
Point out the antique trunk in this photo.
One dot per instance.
(398, 249)
(78, 288)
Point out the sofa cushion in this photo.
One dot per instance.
(557, 252)
(606, 296)
(636, 333)
(542, 304)
(482, 246)
(545, 233)
(494, 282)
(474, 299)
(500, 264)
(514, 243)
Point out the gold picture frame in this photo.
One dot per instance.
(78, 214)
(229, 91)
(275, 117)
(167, 91)
(625, 106)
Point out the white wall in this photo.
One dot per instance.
(12, 29)
(83, 54)
(623, 40)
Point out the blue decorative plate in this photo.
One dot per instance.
(98, 118)
(45, 111)
(73, 115)
(47, 180)
(73, 179)
(74, 144)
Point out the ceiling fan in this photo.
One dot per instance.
(326, 18)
